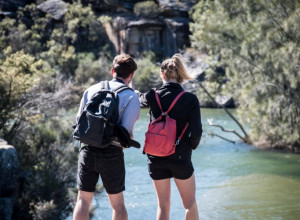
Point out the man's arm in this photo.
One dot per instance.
(131, 114)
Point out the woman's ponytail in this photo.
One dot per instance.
(174, 68)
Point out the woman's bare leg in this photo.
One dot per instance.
(187, 190)
(163, 192)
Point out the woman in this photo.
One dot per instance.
(178, 165)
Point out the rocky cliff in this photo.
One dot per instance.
(9, 168)
(165, 31)
(165, 34)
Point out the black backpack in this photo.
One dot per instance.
(98, 123)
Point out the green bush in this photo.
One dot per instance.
(146, 9)
(91, 71)
(147, 75)
(259, 42)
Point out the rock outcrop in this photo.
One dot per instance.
(56, 8)
(164, 35)
(9, 167)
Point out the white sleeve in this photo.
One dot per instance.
(131, 114)
(82, 104)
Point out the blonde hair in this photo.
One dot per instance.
(174, 68)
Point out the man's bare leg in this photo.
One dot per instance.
(81, 210)
(118, 206)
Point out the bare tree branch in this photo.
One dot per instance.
(226, 130)
(245, 139)
(219, 136)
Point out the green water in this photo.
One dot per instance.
(234, 181)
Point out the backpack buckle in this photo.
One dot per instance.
(163, 114)
(177, 142)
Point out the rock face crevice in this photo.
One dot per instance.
(9, 170)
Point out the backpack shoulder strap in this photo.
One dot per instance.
(172, 104)
(104, 85)
(158, 102)
(184, 129)
(174, 101)
(121, 88)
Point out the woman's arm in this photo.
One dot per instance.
(195, 124)
(143, 98)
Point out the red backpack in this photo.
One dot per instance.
(161, 134)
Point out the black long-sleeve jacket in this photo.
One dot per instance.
(187, 109)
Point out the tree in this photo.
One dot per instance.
(259, 42)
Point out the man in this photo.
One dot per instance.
(108, 162)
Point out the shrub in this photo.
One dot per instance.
(146, 9)
(147, 75)
(91, 71)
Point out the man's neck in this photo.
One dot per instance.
(126, 81)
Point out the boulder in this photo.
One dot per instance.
(56, 8)
(9, 166)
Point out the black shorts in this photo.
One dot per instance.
(108, 163)
(163, 168)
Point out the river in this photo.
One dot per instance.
(234, 181)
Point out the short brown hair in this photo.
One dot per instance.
(124, 65)
(174, 68)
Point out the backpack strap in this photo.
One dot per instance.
(184, 129)
(158, 102)
(172, 104)
(104, 85)
(121, 89)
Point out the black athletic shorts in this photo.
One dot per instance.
(163, 168)
(108, 163)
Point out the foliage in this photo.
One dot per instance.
(146, 9)
(91, 71)
(48, 162)
(38, 60)
(19, 74)
(44, 210)
(147, 75)
(104, 19)
(31, 120)
(259, 42)
(56, 42)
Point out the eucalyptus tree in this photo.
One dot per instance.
(259, 41)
